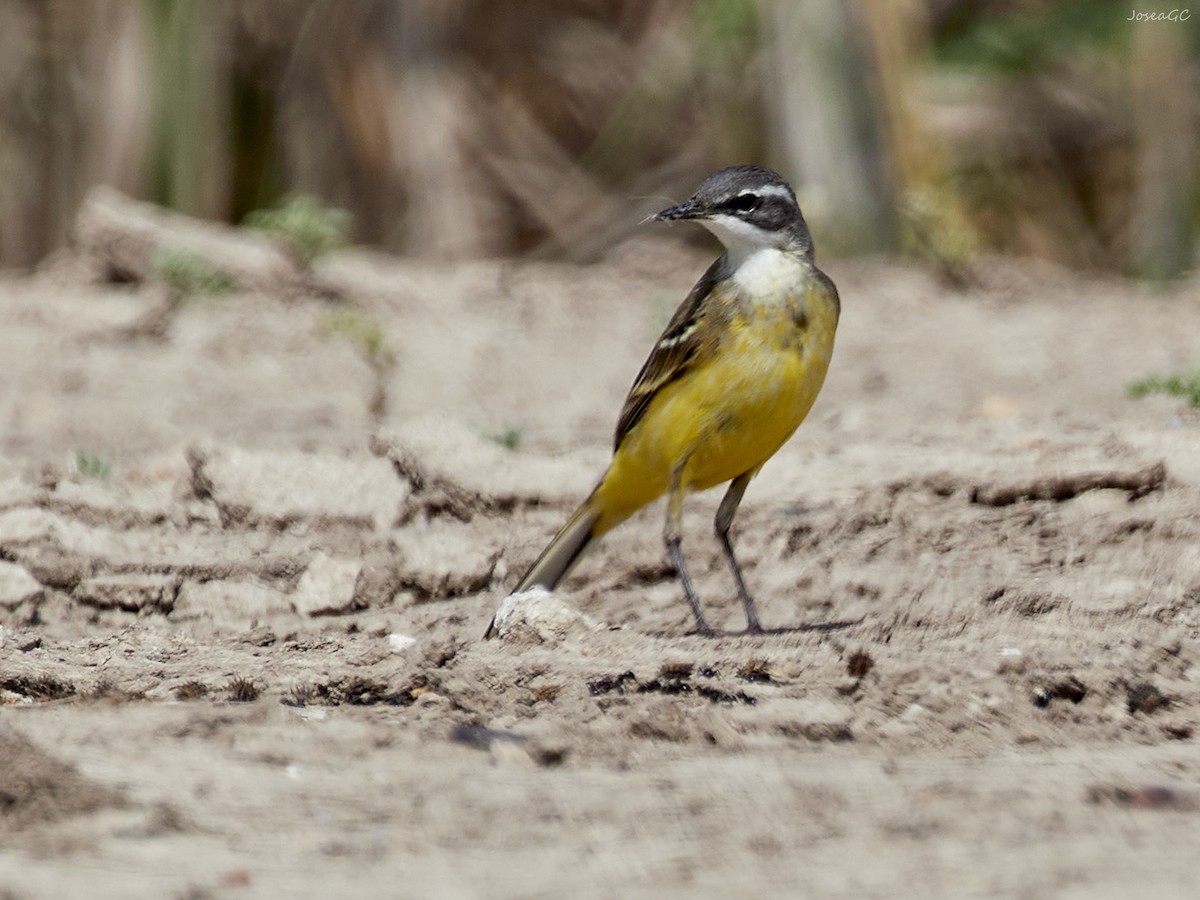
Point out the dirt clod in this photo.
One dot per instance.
(859, 663)
(1143, 697)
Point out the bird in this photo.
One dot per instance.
(733, 375)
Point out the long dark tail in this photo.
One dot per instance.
(560, 556)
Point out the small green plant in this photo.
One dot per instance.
(508, 437)
(188, 272)
(92, 466)
(361, 331)
(305, 226)
(367, 337)
(1178, 384)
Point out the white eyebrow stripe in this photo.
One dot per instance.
(768, 190)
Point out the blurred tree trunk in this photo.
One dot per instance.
(1165, 149)
(900, 38)
(192, 77)
(823, 121)
(431, 119)
(59, 151)
(38, 134)
(331, 92)
(72, 100)
(116, 109)
(935, 227)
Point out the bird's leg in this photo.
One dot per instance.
(723, 520)
(672, 530)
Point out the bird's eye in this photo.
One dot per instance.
(743, 202)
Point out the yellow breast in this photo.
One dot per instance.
(731, 413)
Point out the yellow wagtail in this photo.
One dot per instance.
(733, 375)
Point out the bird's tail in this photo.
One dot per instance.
(561, 555)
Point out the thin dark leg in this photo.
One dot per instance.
(671, 537)
(676, 555)
(723, 521)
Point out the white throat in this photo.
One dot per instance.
(758, 263)
(741, 239)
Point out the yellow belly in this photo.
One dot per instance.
(721, 420)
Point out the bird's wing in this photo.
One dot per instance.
(685, 343)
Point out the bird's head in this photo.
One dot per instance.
(747, 208)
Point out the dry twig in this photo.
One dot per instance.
(1063, 487)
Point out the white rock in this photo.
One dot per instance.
(17, 585)
(399, 643)
(542, 613)
(327, 586)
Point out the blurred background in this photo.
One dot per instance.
(1058, 129)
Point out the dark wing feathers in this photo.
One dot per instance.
(682, 345)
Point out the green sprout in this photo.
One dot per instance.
(92, 466)
(363, 332)
(188, 272)
(508, 437)
(305, 226)
(368, 338)
(1178, 384)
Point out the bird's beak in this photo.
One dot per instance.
(689, 210)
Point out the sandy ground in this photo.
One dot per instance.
(241, 610)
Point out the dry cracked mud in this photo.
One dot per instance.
(242, 602)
